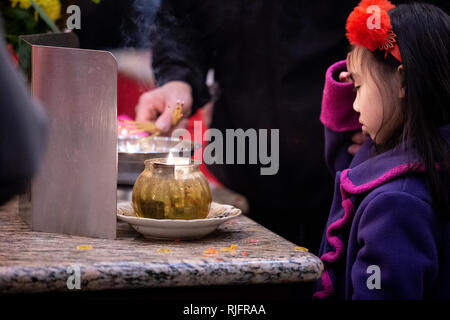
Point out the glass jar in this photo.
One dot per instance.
(171, 191)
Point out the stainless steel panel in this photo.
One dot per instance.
(76, 188)
(63, 39)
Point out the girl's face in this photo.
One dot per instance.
(369, 101)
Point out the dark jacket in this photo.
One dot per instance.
(269, 58)
(22, 131)
(382, 218)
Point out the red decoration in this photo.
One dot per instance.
(369, 26)
(15, 58)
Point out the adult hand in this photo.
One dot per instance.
(154, 105)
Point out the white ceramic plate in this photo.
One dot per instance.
(178, 229)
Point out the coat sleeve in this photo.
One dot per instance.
(180, 51)
(338, 117)
(22, 132)
(397, 242)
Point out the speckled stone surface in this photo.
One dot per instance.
(38, 262)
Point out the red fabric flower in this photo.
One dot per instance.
(369, 25)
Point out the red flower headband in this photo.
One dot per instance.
(369, 25)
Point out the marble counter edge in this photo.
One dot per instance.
(132, 274)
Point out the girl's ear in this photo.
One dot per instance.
(401, 77)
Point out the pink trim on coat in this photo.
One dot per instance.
(347, 189)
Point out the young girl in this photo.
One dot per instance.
(388, 235)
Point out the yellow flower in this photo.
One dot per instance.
(51, 7)
(24, 4)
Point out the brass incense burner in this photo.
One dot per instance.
(172, 188)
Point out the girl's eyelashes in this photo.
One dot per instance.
(356, 88)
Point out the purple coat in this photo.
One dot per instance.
(381, 225)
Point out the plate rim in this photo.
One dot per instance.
(177, 222)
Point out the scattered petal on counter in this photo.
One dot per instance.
(229, 249)
(244, 253)
(210, 251)
(297, 248)
(163, 250)
(84, 247)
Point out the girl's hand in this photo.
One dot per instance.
(344, 76)
(358, 139)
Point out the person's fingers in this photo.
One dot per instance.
(150, 105)
(359, 137)
(146, 113)
(353, 149)
(344, 76)
(164, 122)
(158, 104)
(143, 113)
(181, 125)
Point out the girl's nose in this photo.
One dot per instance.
(356, 106)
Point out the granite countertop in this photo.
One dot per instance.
(239, 252)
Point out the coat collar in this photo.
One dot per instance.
(367, 173)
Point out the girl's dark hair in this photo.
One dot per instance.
(423, 36)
